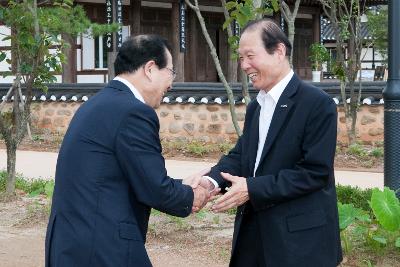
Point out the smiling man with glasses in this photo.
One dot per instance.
(110, 171)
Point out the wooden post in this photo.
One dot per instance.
(232, 65)
(316, 28)
(135, 11)
(113, 53)
(192, 46)
(69, 68)
(177, 55)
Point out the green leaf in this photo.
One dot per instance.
(247, 12)
(230, 5)
(35, 193)
(49, 189)
(2, 56)
(6, 38)
(275, 5)
(7, 73)
(233, 39)
(241, 19)
(386, 208)
(379, 239)
(227, 23)
(360, 230)
(346, 216)
(397, 243)
(364, 217)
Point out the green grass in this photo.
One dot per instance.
(357, 150)
(196, 148)
(33, 187)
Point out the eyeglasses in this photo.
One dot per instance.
(173, 72)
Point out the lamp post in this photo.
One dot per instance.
(391, 96)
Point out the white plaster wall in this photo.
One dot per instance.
(90, 79)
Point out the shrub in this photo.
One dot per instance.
(354, 195)
(377, 152)
(225, 147)
(357, 150)
(198, 149)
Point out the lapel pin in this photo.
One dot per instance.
(284, 106)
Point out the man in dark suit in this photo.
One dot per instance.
(280, 172)
(110, 171)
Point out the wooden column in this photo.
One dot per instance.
(316, 28)
(177, 56)
(192, 46)
(112, 55)
(134, 13)
(232, 67)
(69, 68)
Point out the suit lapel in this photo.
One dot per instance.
(253, 143)
(282, 110)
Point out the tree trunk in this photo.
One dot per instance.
(11, 161)
(290, 17)
(291, 32)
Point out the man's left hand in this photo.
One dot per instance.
(236, 196)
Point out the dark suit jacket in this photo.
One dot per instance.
(110, 172)
(293, 192)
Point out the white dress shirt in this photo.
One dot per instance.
(131, 87)
(268, 101)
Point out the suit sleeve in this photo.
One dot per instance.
(231, 163)
(138, 151)
(312, 172)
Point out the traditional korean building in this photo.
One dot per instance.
(88, 58)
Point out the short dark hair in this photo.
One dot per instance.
(271, 34)
(137, 51)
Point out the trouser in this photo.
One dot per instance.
(248, 251)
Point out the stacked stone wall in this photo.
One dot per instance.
(209, 123)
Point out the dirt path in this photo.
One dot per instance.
(201, 240)
(25, 247)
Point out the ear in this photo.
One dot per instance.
(148, 68)
(281, 50)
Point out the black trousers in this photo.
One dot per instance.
(248, 250)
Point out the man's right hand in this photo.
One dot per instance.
(201, 197)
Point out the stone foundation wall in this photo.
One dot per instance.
(209, 123)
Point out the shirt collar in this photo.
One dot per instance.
(131, 87)
(276, 91)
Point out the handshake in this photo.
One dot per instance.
(203, 189)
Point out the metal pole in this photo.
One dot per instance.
(391, 96)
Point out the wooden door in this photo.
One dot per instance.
(198, 59)
(302, 40)
(156, 21)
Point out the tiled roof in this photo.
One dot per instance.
(317, 2)
(328, 33)
(191, 93)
